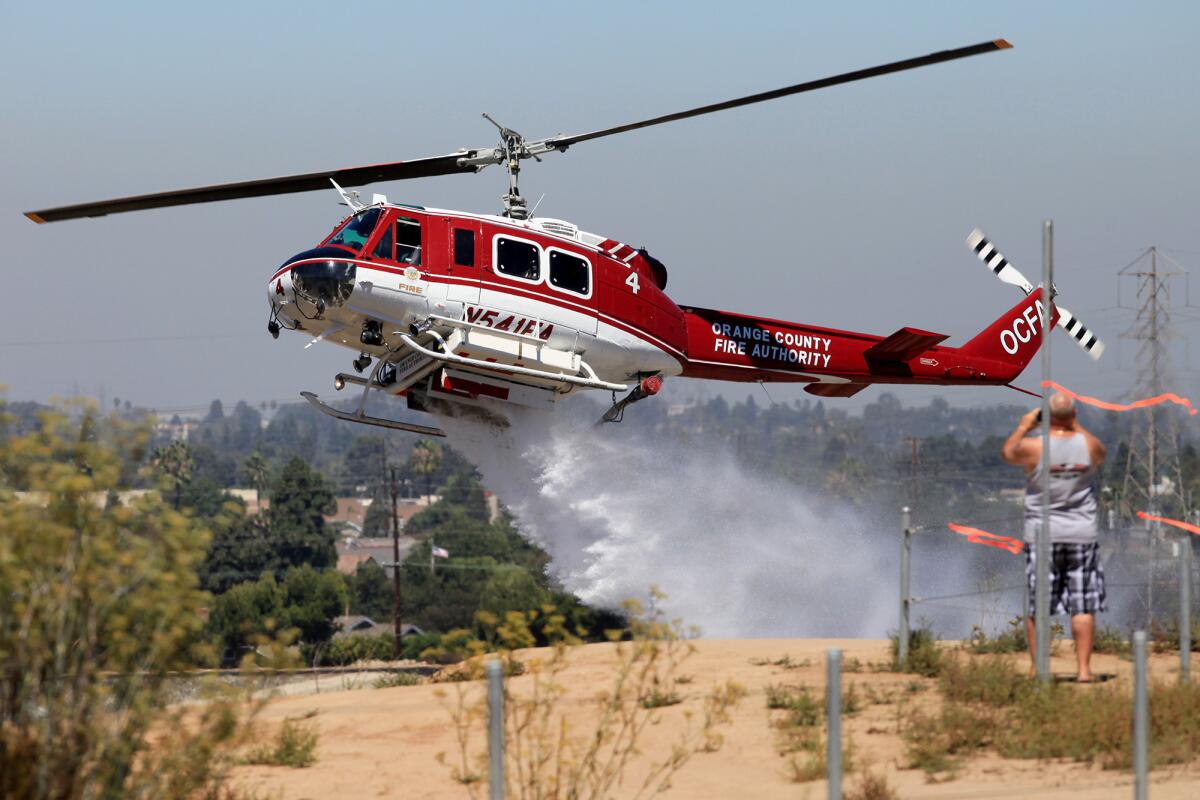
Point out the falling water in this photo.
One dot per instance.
(738, 553)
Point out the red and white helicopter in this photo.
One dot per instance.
(450, 307)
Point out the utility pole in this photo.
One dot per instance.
(396, 648)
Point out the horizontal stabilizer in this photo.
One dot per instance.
(835, 389)
(904, 344)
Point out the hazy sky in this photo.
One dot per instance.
(847, 207)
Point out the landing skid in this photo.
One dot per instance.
(365, 419)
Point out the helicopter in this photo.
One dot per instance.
(455, 311)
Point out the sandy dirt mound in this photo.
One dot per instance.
(385, 742)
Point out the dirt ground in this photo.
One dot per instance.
(378, 743)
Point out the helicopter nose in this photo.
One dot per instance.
(324, 275)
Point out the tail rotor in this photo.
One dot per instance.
(1003, 269)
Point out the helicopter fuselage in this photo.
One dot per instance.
(529, 301)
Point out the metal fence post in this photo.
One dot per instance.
(905, 576)
(495, 696)
(1041, 599)
(1185, 608)
(1140, 716)
(833, 716)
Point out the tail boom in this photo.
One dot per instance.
(726, 346)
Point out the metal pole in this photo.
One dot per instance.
(1140, 716)
(905, 575)
(1041, 602)
(397, 647)
(833, 716)
(495, 697)
(1185, 608)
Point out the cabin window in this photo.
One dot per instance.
(408, 240)
(518, 259)
(464, 247)
(357, 230)
(384, 248)
(570, 273)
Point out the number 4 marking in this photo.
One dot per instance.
(632, 282)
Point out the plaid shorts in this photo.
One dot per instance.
(1076, 578)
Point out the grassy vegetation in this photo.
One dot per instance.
(989, 703)
(295, 745)
(397, 679)
(783, 662)
(658, 698)
(924, 657)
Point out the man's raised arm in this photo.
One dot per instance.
(1018, 451)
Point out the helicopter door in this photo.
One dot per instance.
(464, 264)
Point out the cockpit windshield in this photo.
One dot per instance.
(357, 230)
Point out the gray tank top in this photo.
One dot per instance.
(1072, 496)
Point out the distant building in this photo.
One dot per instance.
(356, 625)
(353, 551)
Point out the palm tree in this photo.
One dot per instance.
(257, 470)
(426, 459)
(174, 464)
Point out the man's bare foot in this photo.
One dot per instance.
(1084, 678)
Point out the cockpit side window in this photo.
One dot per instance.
(408, 240)
(384, 248)
(357, 230)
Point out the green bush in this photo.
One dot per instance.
(418, 643)
(924, 657)
(98, 602)
(294, 746)
(350, 650)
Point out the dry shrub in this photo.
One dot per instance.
(1095, 723)
(992, 681)
(100, 606)
(924, 657)
(547, 754)
(295, 745)
(872, 786)
(936, 743)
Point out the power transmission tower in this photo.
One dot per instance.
(1152, 473)
(1153, 480)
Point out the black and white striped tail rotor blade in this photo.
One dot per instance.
(1080, 333)
(996, 261)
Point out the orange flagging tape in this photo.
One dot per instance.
(990, 539)
(1169, 397)
(1167, 521)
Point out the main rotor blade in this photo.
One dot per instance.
(846, 77)
(287, 184)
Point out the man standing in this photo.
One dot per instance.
(1076, 577)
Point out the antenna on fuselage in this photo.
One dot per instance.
(349, 198)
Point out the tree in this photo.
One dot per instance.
(99, 602)
(371, 591)
(378, 519)
(257, 472)
(239, 552)
(311, 599)
(216, 412)
(511, 589)
(304, 602)
(297, 534)
(173, 464)
(425, 461)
